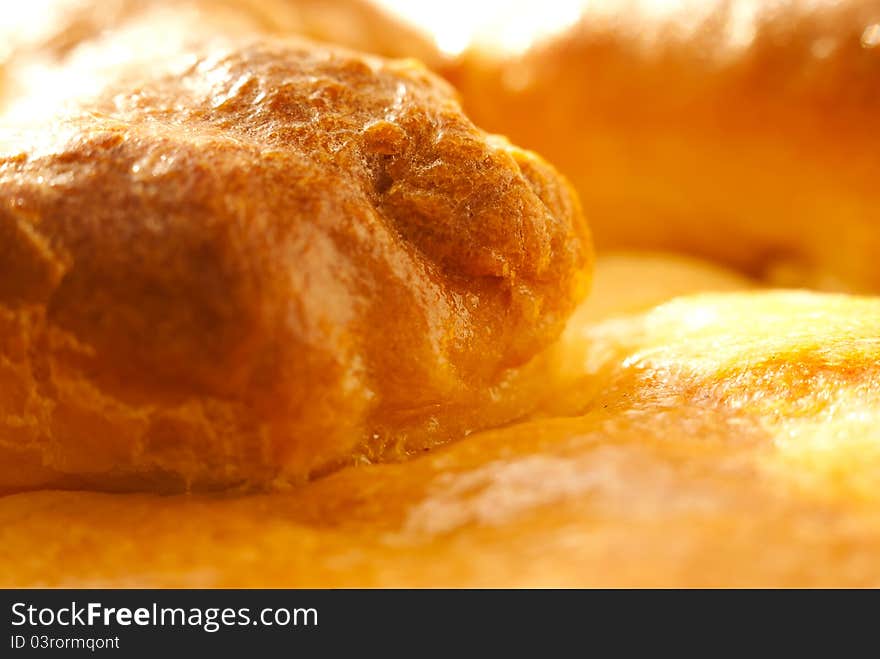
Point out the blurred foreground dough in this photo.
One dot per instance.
(723, 439)
(740, 131)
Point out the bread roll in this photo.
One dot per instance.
(244, 264)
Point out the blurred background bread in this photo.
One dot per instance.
(737, 130)
(47, 33)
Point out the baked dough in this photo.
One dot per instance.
(249, 263)
(233, 263)
(720, 440)
(739, 131)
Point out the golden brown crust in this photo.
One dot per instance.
(244, 266)
(723, 440)
(743, 134)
